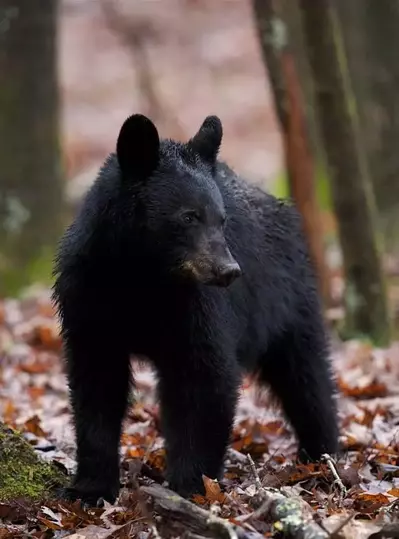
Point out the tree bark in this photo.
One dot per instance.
(31, 184)
(280, 64)
(353, 198)
(381, 21)
(371, 43)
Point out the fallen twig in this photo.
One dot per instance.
(337, 480)
(258, 483)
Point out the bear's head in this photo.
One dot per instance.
(179, 209)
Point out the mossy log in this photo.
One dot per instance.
(22, 473)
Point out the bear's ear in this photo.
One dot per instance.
(208, 139)
(137, 147)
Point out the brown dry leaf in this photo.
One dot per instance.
(134, 439)
(371, 391)
(231, 476)
(46, 336)
(36, 367)
(13, 511)
(279, 459)
(157, 459)
(247, 444)
(273, 427)
(122, 517)
(240, 444)
(135, 452)
(9, 412)
(370, 503)
(33, 425)
(305, 471)
(351, 443)
(36, 392)
(199, 499)
(213, 492)
(394, 492)
(75, 516)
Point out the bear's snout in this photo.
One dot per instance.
(226, 275)
(212, 272)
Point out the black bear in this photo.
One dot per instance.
(173, 257)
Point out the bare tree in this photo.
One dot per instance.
(274, 36)
(30, 171)
(353, 198)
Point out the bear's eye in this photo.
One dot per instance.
(189, 217)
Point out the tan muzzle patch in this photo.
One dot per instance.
(194, 268)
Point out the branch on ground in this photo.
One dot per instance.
(290, 516)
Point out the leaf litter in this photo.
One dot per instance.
(356, 496)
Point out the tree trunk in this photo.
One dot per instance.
(382, 41)
(30, 176)
(365, 296)
(279, 61)
(371, 42)
(352, 19)
(381, 21)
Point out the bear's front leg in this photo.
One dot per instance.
(198, 394)
(98, 376)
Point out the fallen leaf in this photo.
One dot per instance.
(370, 503)
(36, 367)
(213, 492)
(33, 425)
(373, 390)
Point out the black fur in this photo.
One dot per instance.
(134, 275)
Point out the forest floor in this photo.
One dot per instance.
(357, 495)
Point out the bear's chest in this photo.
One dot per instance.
(160, 318)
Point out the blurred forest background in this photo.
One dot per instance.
(307, 92)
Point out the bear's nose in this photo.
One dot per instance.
(229, 273)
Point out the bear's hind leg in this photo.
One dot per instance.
(299, 374)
